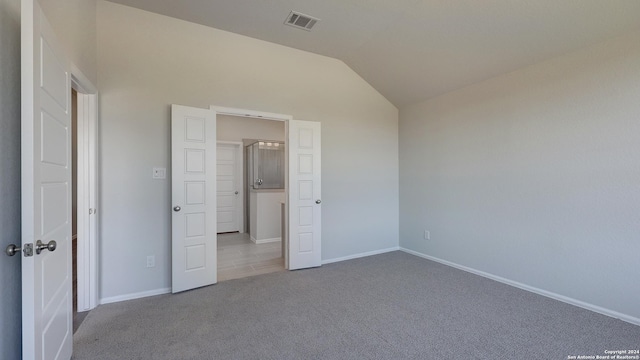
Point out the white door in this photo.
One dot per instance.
(229, 186)
(46, 191)
(304, 195)
(193, 193)
(87, 221)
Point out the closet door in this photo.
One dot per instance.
(229, 183)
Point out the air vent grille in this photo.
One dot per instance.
(301, 21)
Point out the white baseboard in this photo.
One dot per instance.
(265, 241)
(139, 295)
(549, 294)
(364, 254)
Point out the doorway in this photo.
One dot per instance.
(194, 199)
(250, 240)
(78, 317)
(84, 160)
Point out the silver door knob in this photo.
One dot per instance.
(177, 208)
(236, 193)
(51, 246)
(318, 201)
(12, 250)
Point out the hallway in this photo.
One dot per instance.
(239, 257)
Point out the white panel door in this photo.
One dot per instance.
(304, 195)
(193, 193)
(46, 191)
(229, 183)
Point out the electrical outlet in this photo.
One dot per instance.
(151, 261)
(427, 235)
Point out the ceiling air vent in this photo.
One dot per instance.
(301, 21)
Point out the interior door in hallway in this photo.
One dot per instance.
(193, 193)
(305, 248)
(228, 188)
(46, 190)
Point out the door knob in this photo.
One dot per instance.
(236, 193)
(177, 208)
(318, 201)
(12, 250)
(51, 246)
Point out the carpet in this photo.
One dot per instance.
(389, 306)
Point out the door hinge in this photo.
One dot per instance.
(28, 250)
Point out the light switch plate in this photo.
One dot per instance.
(159, 173)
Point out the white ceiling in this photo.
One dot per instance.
(411, 50)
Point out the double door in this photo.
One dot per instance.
(197, 184)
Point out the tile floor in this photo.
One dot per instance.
(239, 257)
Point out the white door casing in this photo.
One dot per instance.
(46, 190)
(229, 186)
(304, 194)
(193, 192)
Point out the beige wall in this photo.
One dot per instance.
(533, 176)
(74, 22)
(147, 62)
(235, 128)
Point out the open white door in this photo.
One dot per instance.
(46, 191)
(193, 193)
(304, 195)
(87, 221)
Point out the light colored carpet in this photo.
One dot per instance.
(389, 306)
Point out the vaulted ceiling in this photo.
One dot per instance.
(411, 50)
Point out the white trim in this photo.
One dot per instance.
(240, 210)
(87, 190)
(250, 113)
(133, 296)
(80, 82)
(287, 215)
(360, 255)
(549, 294)
(265, 241)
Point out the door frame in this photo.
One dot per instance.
(87, 190)
(268, 116)
(240, 175)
